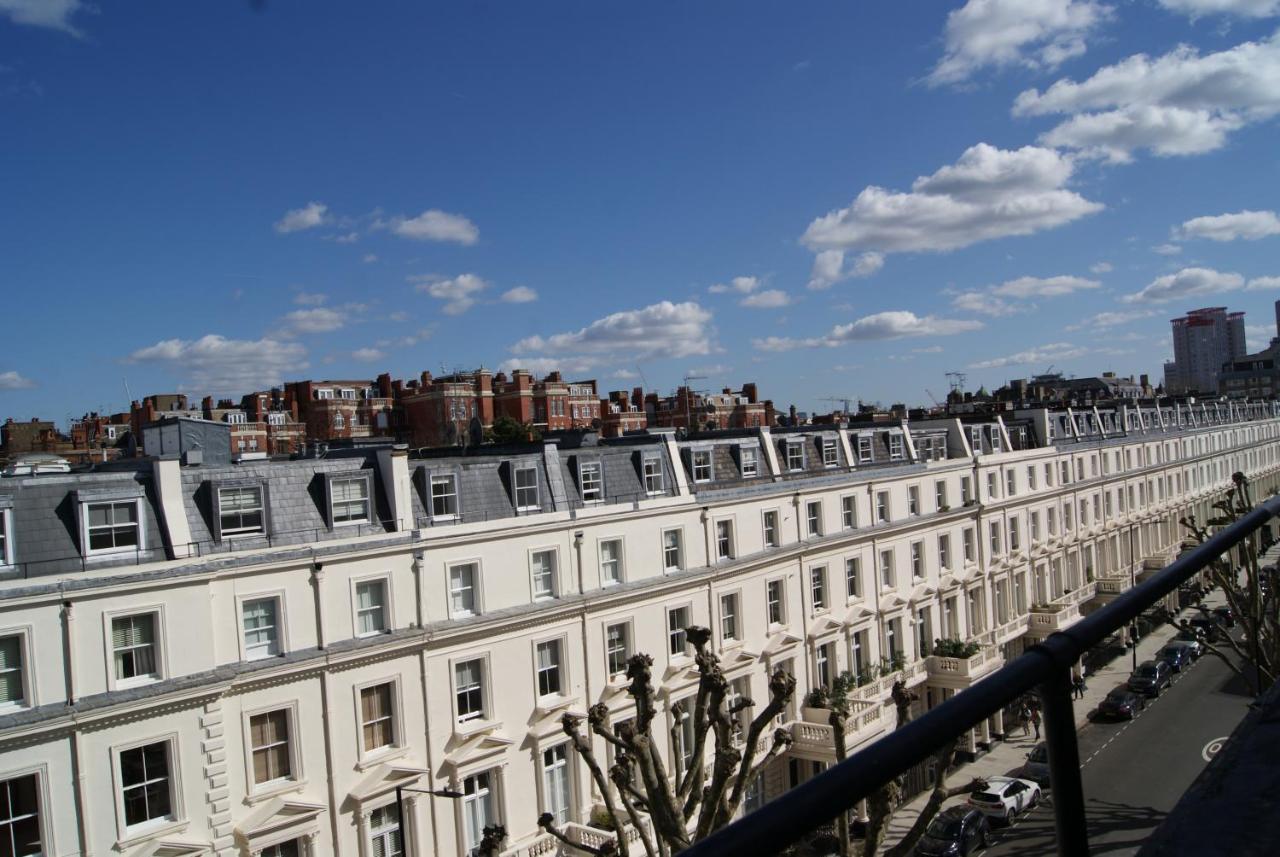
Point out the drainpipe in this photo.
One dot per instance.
(431, 768)
(68, 651)
(317, 588)
(328, 755)
(419, 560)
(77, 764)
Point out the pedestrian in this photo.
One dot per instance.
(1077, 686)
(1024, 720)
(1035, 721)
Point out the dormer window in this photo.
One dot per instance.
(111, 525)
(324, 393)
(653, 475)
(795, 455)
(241, 511)
(701, 465)
(590, 481)
(348, 500)
(348, 393)
(235, 419)
(895, 447)
(275, 419)
(525, 483)
(864, 447)
(749, 461)
(829, 456)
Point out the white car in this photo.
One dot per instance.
(1005, 797)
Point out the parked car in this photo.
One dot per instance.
(1150, 678)
(1224, 615)
(1210, 625)
(1176, 657)
(1194, 647)
(1191, 635)
(1036, 768)
(1121, 704)
(955, 832)
(1005, 797)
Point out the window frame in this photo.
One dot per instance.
(726, 543)
(795, 446)
(776, 540)
(24, 635)
(913, 500)
(813, 526)
(160, 655)
(477, 590)
(264, 529)
(897, 446)
(679, 566)
(518, 468)
(849, 511)
(819, 588)
(853, 572)
(830, 452)
(734, 616)
(781, 602)
(450, 475)
(140, 526)
(584, 465)
(884, 510)
(534, 593)
(363, 754)
(388, 602)
(128, 834)
(684, 653)
(561, 668)
(704, 470)
(888, 570)
(749, 455)
(44, 813)
(486, 696)
(653, 476)
(257, 791)
(281, 626)
(628, 648)
(620, 560)
(865, 449)
(570, 779)
(7, 552)
(331, 480)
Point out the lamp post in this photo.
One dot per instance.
(1133, 582)
(400, 790)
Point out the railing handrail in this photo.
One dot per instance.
(788, 817)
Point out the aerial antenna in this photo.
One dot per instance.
(688, 394)
(128, 397)
(957, 379)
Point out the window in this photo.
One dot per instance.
(20, 817)
(260, 618)
(750, 463)
(724, 539)
(590, 481)
(813, 514)
(853, 576)
(940, 496)
(339, 421)
(849, 512)
(895, 446)
(377, 717)
(653, 475)
(385, 838)
(818, 587)
(993, 486)
(6, 541)
(1031, 477)
(1052, 520)
(913, 500)
(240, 511)
(1015, 534)
(882, 507)
(775, 602)
(13, 683)
(824, 657)
(269, 746)
(795, 455)
(617, 647)
(944, 551)
(468, 689)
(477, 809)
(1035, 527)
(542, 567)
(970, 554)
(829, 456)
(371, 607)
(526, 481)
(994, 532)
(917, 560)
(672, 559)
(145, 787)
(864, 447)
(444, 495)
(677, 621)
(729, 617)
(550, 668)
(462, 590)
(556, 798)
(887, 576)
(133, 648)
(349, 500)
(966, 490)
(771, 529)
(611, 562)
(701, 465)
(112, 526)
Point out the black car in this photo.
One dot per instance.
(956, 831)
(1225, 616)
(1210, 625)
(1176, 657)
(1150, 678)
(1121, 703)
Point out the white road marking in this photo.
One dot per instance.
(1213, 748)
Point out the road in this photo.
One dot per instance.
(1134, 772)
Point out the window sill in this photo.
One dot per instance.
(272, 789)
(550, 704)
(476, 727)
(143, 681)
(149, 830)
(379, 756)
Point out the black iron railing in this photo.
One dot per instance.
(1046, 667)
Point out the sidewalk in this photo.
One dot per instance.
(1007, 756)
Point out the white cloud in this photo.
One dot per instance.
(984, 303)
(1167, 249)
(11, 380)
(1181, 103)
(1187, 283)
(1109, 319)
(436, 225)
(458, 293)
(1244, 225)
(1043, 354)
(53, 14)
(895, 324)
(1100, 268)
(310, 298)
(710, 371)
(741, 285)
(519, 295)
(310, 216)
(347, 237)
(829, 268)
(768, 299)
(989, 193)
(545, 365)
(367, 355)
(1043, 287)
(369, 258)
(932, 349)
(1258, 336)
(663, 329)
(316, 320)
(625, 374)
(399, 315)
(1258, 284)
(1241, 8)
(1036, 34)
(215, 364)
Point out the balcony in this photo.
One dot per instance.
(816, 740)
(1109, 587)
(962, 672)
(544, 844)
(1045, 619)
(1006, 631)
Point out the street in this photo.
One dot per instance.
(1134, 772)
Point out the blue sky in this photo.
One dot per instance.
(832, 199)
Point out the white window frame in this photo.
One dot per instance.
(397, 720)
(486, 697)
(295, 778)
(241, 532)
(776, 541)
(685, 651)
(561, 644)
(477, 591)
(130, 834)
(830, 456)
(940, 495)
(651, 470)
(781, 584)
(849, 511)
(493, 793)
(517, 489)
(734, 616)
(726, 548)
(917, 560)
(813, 523)
(540, 595)
(620, 560)
(864, 448)
(431, 498)
(282, 625)
(702, 465)
(24, 635)
(819, 585)
(913, 500)
(43, 805)
(749, 460)
(593, 486)
(853, 587)
(161, 650)
(679, 566)
(141, 526)
(794, 447)
(897, 446)
(388, 620)
(333, 481)
(884, 507)
(944, 551)
(6, 538)
(570, 780)
(888, 571)
(628, 648)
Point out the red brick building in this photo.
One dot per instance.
(333, 410)
(709, 411)
(621, 413)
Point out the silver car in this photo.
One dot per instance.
(1194, 647)
(1036, 768)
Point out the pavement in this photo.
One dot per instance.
(1116, 777)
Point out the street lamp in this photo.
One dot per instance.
(1133, 582)
(400, 790)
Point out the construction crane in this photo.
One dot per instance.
(688, 394)
(846, 401)
(957, 380)
(932, 396)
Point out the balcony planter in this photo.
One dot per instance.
(810, 714)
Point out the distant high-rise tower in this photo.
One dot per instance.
(1203, 340)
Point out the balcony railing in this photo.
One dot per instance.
(1046, 666)
(964, 669)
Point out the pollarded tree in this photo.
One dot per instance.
(687, 804)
